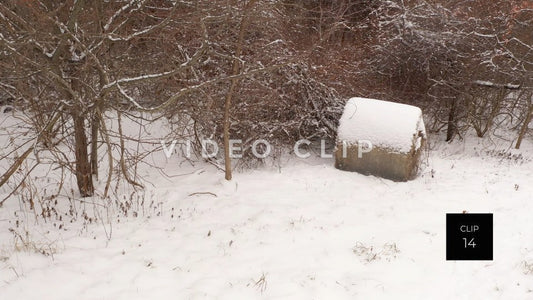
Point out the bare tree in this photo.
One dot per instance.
(72, 59)
(434, 53)
(71, 62)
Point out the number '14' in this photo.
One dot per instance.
(469, 243)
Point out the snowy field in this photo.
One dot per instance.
(299, 230)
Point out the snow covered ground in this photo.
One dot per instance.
(300, 231)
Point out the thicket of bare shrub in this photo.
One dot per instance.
(277, 70)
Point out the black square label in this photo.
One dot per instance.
(469, 237)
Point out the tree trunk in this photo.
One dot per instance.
(83, 166)
(452, 121)
(94, 144)
(523, 130)
(234, 82)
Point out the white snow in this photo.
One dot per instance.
(492, 84)
(300, 230)
(138, 78)
(385, 124)
(117, 13)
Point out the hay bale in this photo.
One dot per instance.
(395, 131)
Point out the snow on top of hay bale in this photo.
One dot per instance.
(385, 124)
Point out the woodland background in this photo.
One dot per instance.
(278, 70)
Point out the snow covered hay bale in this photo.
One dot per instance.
(380, 138)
